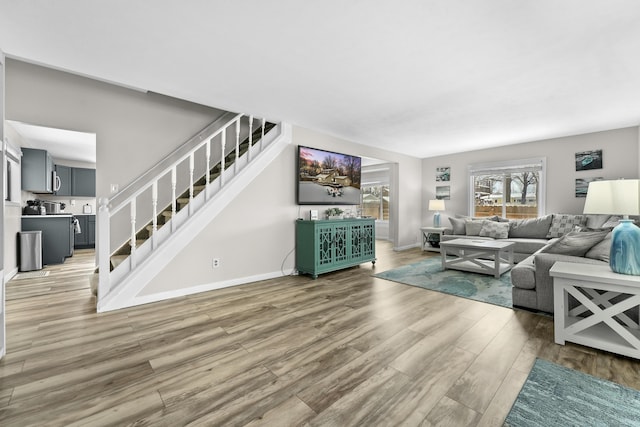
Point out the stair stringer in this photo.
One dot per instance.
(124, 294)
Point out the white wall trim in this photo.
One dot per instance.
(160, 296)
(404, 248)
(10, 275)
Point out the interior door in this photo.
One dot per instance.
(3, 331)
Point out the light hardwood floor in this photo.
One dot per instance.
(345, 349)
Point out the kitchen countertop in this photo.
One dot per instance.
(48, 216)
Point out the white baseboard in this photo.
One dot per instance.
(161, 296)
(404, 248)
(10, 275)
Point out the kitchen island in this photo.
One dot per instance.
(57, 235)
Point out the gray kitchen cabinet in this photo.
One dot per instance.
(87, 236)
(64, 174)
(83, 182)
(57, 235)
(37, 171)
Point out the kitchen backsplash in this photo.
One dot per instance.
(76, 209)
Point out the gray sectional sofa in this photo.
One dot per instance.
(539, 243)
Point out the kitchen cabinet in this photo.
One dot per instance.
(87, 236)
(64, 175)
(80, 182)
(57, 235)
(37, 171)
(83, 182)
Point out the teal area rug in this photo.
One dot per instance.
(557, 396)
(428, 274)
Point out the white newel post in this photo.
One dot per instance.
(235, 165)
(133, 234)
(104, 251)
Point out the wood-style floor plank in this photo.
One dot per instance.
(345, 349)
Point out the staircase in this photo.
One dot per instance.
(193, 184)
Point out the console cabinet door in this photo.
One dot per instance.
(64, 174)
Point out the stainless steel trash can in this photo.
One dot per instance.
(30, 250)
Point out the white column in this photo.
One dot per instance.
(104, 251)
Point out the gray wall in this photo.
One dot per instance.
(620, 160)
(255, 235)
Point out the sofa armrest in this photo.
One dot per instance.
(544, 282)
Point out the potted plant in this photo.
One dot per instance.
(334, 213)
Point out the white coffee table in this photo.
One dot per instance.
(493, 257)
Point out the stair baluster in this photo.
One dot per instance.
(154, 202)
(250, 137)
(132, 257)
(173, 197)
(223, 143)
(235, 164)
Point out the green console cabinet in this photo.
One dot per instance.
(328, 245)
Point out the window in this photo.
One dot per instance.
(375, 201)
(514, 189)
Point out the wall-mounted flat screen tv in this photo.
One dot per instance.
(328, 178)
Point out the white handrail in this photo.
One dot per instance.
(167, 169)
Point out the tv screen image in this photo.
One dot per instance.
(328, 178)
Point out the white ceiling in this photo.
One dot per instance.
(421, 77)
(60, 143)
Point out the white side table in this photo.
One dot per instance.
(597, 321)
(426, 234)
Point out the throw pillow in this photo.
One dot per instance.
(457, 224)
(601, 250)
(497, 230)
(612, 222)
(575, 243)
(532, 228)
(473, 227)
(564, 223)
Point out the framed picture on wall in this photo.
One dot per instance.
(587, 160)
(582, 185)
(443, 192)
(443, 174)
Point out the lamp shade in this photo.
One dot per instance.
(436, 205)
(619, 197)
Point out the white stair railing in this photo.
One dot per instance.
(175, 175)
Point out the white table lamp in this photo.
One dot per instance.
(619, 197)
(436, 205)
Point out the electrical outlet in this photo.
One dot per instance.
(216, 262)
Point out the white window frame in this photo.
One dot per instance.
(513, 166)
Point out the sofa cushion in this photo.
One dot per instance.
(595, 221)
(472, 227)
(527, 246)
(564, 223)
(575, 243)
(497, 230)
(457, 225)
(601, 250)
(523, 275)
(535, 228)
